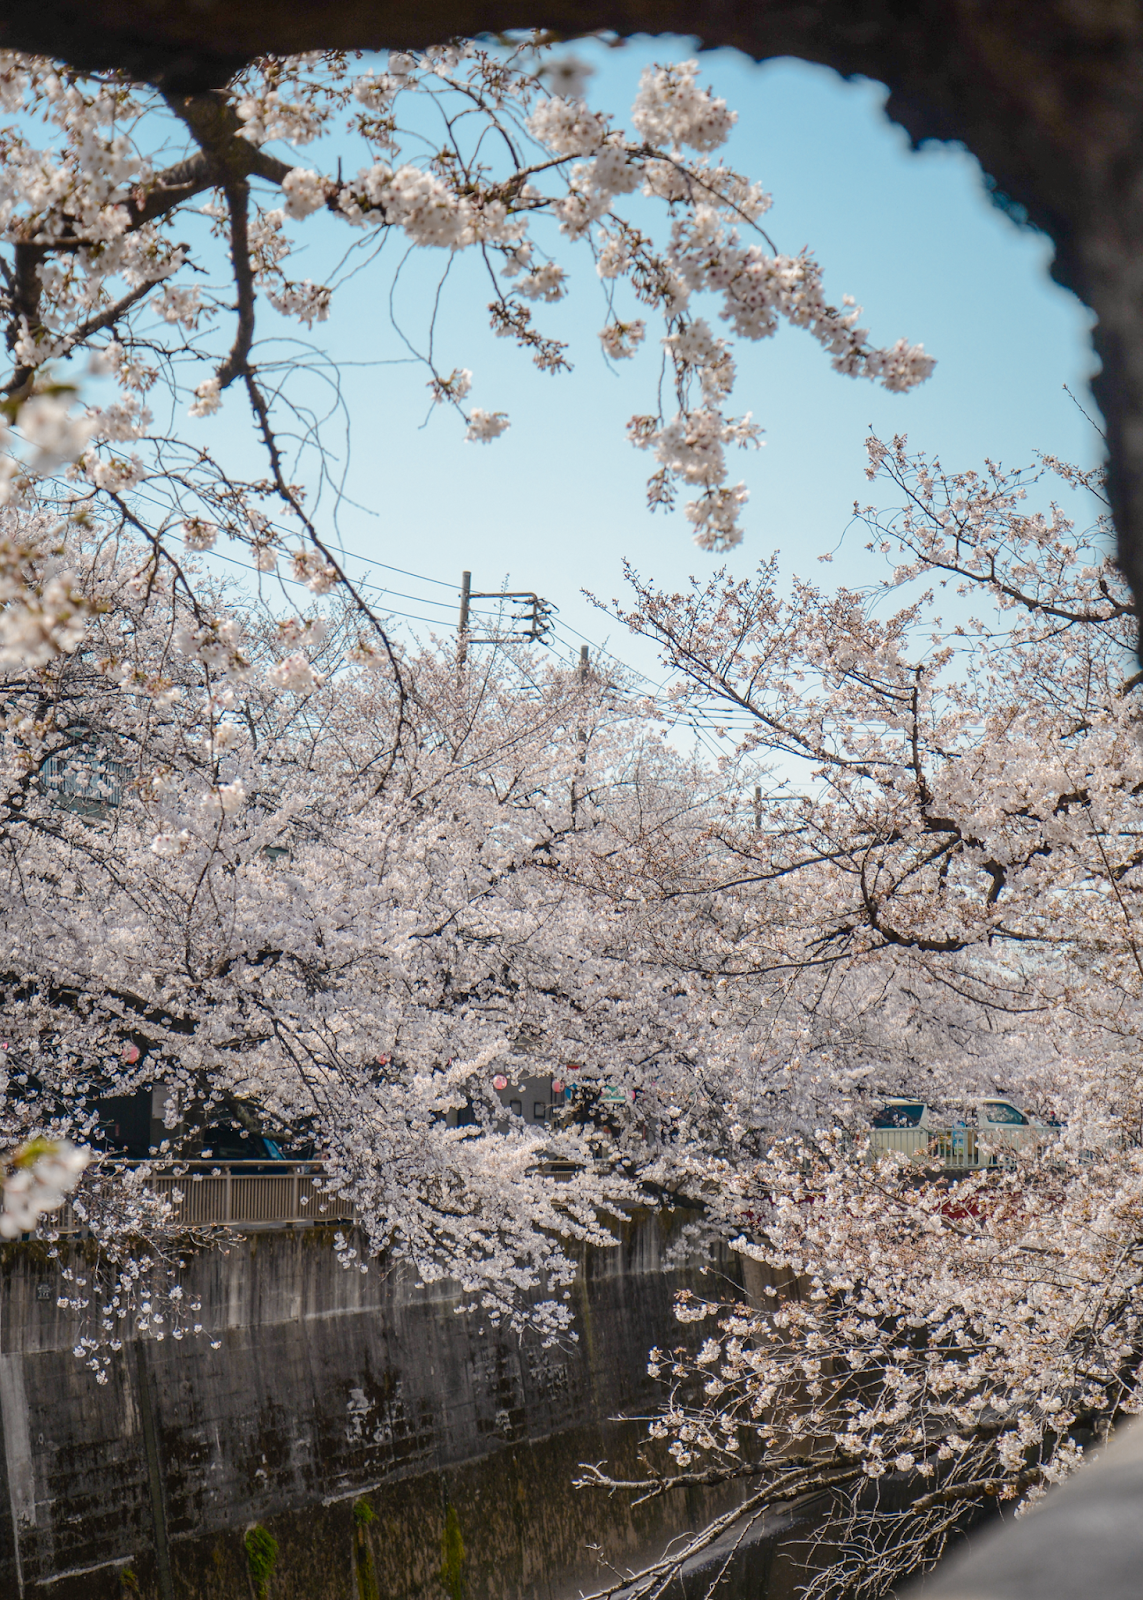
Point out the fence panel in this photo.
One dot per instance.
(218, 1194)
(962, 1149)
(319, 1206)
(197, 1200)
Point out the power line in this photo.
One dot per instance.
(701, 723)
(423, 578)
(420, 577)
(422, 600)
(698, 720)
(279, 527)
(296, 583)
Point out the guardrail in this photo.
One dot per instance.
(238, 1194)
(961, 1149)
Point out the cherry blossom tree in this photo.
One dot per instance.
(225, 872)
(161, 735)
(150, 232)
(934, 895)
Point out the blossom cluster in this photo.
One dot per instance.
(97, 234)
(38, 1178)
(252, 858)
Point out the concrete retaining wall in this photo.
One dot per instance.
(391, 1447)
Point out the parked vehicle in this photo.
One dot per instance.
(986, 1113)
(992, 1127)
(228, 1142)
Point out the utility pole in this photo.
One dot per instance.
(530, 626)
(462, 625)
(757, 808)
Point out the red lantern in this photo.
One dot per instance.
(499, 1082)
(557, 1086)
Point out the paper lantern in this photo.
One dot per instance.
(499, 1082)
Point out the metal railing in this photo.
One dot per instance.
(962, 1149)
(237, 1194)
(250, 1195)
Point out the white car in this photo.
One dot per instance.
(990, 1113)
(917, 1130)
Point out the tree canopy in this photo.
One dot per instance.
(1046, 96)
(258, 851)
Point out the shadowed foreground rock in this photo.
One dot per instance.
(1084, 1542)
(1048, 94)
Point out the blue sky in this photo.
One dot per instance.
(557, 503)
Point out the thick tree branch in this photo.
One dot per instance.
(235, 365)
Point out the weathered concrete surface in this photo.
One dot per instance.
(1084, 1541)
(390, 1446)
